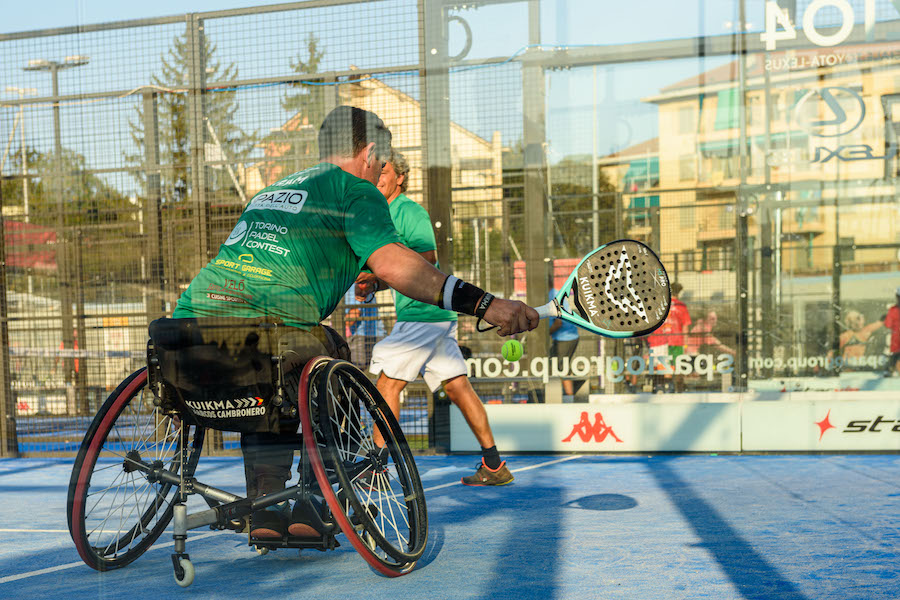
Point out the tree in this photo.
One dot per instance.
(96, 223)
(219, 108)
(294, 145)
(572, 199)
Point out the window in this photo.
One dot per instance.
(686, 120)
(686, 170)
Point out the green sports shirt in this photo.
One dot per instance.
(414, 226)
(295, 251)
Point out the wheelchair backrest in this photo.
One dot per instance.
(219, 373)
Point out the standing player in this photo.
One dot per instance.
(892, 321)
(424, 338)
(294, 252)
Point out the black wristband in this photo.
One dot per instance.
(464, 298)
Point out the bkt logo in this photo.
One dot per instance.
(844, 110)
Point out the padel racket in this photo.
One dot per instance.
(619, 290)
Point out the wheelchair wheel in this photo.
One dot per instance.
(375, 494)
(115, 512)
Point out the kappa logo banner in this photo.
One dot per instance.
(606, 427)
(587, 431)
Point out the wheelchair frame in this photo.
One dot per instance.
(336, 401)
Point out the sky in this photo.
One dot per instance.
(46, 14)
(614, 93)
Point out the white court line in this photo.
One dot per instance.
(34, 531)
(10, 578)
(519, 470)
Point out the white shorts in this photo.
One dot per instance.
(429, 349)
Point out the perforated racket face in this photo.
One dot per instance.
(622, 288)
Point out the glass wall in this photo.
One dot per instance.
(753, 144)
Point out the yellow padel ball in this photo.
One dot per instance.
(512, 350)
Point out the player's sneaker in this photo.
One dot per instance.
(487, 476)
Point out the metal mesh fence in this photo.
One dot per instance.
(130, 149)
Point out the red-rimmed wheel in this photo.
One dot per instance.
(115, 511)
(375, 494)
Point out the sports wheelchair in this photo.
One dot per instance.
(135, 469)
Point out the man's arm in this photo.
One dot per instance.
(368, 283)
(410, 274)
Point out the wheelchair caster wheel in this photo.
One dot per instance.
(184, 572)
(262, 550)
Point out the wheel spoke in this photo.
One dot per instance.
(380, 498)
(120, 512)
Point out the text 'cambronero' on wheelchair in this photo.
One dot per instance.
(135, 469)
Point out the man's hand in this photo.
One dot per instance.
(366, 285)
(511, 316)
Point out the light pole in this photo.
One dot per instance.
(74, 391)
(22, 92)
(42, 64)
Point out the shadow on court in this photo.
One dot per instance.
(514, 531)
(752, 575)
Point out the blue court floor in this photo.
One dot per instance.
(720, 527)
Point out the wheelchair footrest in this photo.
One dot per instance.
(322, 544)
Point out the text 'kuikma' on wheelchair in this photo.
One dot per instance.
(136, 466)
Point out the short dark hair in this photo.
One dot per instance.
(347, 130)
(676, 288)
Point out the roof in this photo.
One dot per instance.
(29, 245)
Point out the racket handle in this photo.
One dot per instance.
(551, 309)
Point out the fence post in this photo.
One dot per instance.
(154, 280)
(197, 127)
(9, 443)
(439, 421)
(538, 250)
(436, 118)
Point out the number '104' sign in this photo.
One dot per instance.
(777, 17)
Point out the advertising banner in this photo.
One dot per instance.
(638, 427)
(824, 421)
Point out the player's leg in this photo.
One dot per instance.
(492, 470)
(390, 390)
(446, 366)
(460, 391)
(268, 456)
(399, 359)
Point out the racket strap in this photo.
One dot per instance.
(481, 309)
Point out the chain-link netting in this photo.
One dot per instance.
(764, 173)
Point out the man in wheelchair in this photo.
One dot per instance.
(295, 251)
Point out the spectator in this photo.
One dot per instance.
(853, 342)
(363, 329)
(892, 322)
(702, 340)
